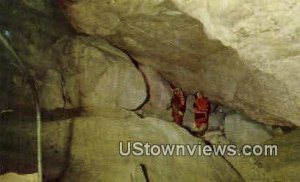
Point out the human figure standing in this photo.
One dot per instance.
(178, 106)
(201, 110)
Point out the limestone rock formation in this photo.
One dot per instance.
(189, 119)
(237, 52)
(88, 149)
(154, 131)
(280, 167)
(159, 95)
(99, 76)
(121, 55)
(216, 121)
(71, 71)
(285, 165)
(241, 130)
(160, 91)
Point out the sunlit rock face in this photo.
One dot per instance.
(243, 54)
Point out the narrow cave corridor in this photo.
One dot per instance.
(151, 90)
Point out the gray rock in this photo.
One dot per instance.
(232, 54)
(100, 76)
(216, 121)
(241, 130)
(160, 91)
(225, 110)
(284, 166)
(188, 119)
(100, 158)
(159, 95)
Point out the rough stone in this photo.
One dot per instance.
(76, 150)
(235, 52)
(160, 91)
(216, 121)
(103, 152)
(159, 95)
(51, 91)
(102, 76)
(280, 167)
(285, 165)
(241, 130)
(189, 119)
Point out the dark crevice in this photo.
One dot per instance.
(145, 172)
(63, 91)
(61, 114)
(228, 162)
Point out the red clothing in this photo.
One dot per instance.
(178, 107)
(201, 106)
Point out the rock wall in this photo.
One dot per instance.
(236, 52)
(87, 149)
(71, 71)
(99, 76)
(240, 54)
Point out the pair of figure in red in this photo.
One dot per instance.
(201, 108)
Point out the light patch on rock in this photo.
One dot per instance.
(13, 177)
(241, 130)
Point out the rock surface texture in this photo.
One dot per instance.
(71, 71)
(241, 130)
(76, 150)
(113, 167)
(106, 59)
(99, 76)
(239, 53)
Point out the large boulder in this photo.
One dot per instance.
(235, 52)
(242, 130)
(280, 167)
(103, 153)
(88, 149)
(285, 165)
(159, 95)
(98, 76)
(160, 91)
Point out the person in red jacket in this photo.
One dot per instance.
(201, 110)
(178, 106)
